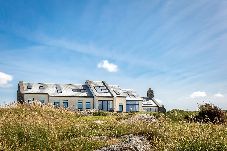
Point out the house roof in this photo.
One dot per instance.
(131, 94)
(99, 88)
(58, 89)
(150, 102)
(116, 90)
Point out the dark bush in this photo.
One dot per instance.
(210, 113)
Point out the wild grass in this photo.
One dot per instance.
(31, 127)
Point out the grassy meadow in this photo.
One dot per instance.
(34, 127)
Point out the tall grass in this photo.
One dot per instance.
(31, 127)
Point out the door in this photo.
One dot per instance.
(120, 108)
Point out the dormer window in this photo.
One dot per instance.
(79, 90)
(83, 90)
(41, 87)
(29, 86)
(58, 89)
(76, 90)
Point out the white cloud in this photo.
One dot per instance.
(219, 95)
(5, 79)
(110, 67)
(198, 94)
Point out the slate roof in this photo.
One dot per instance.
(58, 89)
(131, 94)
(116, 90)
(99, 88)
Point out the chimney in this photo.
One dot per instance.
(20, 91)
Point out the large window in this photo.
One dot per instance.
(42, 99)
(80, 105)
(106, 105)
(57, 104)
(132, 106)
(88, 105)
(65, 104)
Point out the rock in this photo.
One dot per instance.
(131, 143)
(145, 117)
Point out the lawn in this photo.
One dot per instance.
(33, 127)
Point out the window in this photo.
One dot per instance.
(106, 105)
(58, 88)
(41, 87)
(80, 105)
(42, 101)
(57, 104)
(29, 86)
(132, 106)
(88, 105)
(65, 104)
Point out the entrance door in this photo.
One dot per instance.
(120, 108)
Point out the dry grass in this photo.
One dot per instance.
(24, 127)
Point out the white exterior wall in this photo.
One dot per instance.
(36, 97)
(119, 100)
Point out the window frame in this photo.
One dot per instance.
(89, 105)
(57, 102)
(78, 102)
(131, 103)
(65, 101)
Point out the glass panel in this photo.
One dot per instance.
(100, 105)
(80, 105)
(88, 105)
(132, 108)
(110, 105)
(132, 102)
(120, 108)
(65, 104)
(105, 105)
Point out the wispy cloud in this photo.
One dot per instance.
(218, 95)
(5, 79)
(198, 94)
(110, 67)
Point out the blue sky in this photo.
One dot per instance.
(178, 48)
